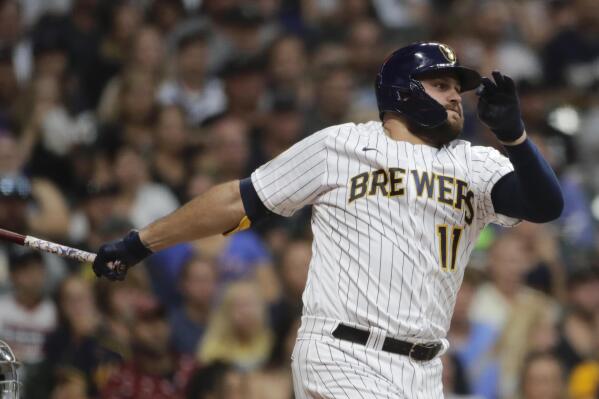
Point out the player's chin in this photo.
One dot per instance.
(442, 134)
(449, 131)
(455, 127)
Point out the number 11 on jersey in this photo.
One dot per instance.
(448, 245)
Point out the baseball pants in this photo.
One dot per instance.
(325, 367)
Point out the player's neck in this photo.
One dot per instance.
(396, 129)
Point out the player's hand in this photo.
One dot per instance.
(499, 107)
(116, 257)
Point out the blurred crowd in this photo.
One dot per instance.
(115, 112)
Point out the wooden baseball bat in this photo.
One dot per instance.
(47, 246)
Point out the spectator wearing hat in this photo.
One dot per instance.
(245, 85)
(34, 208)
(50, 215)
(50, 48)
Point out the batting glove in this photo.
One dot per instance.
(499, 107)
(116, 257)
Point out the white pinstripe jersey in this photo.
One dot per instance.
(394, 223)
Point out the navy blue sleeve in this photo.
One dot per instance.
(532, 191)
(254, 208)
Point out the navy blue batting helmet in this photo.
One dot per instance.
(398, 89)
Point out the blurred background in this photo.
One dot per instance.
(113, 113)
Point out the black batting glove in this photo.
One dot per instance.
(499, 107)
(116, 257)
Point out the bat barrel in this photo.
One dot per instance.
(47, 246)
(16, 238)
(60, 250)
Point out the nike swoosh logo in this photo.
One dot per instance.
(369, 149)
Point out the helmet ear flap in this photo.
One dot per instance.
(416, 85)
(422, 108)
(413, 103)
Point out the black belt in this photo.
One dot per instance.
(418, 352)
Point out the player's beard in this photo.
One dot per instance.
(440, 135)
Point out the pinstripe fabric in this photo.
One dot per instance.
(377, 260)
(325, 367)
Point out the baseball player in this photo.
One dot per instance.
(397, 207)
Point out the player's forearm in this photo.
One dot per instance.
(214, 212)
(532, 192)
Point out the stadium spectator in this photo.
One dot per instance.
(146, 57)
(288, 68)
(26, 314)
(197, 283)
(542, 377)
(228, 141)
(293, 274)
(333, 101)
(36, 208)
(283, 126)
(245, 85)
(139, 199)
(218, 380)
(577, 340)
(190, 88)
(134, 123)
(76, 346)
(154, 371)
(238, 330)
(173, 154)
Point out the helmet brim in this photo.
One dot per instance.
(469, 78)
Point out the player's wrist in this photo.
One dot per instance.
(146, 239)
(515, 142)
(509, 131)
(135, 246)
